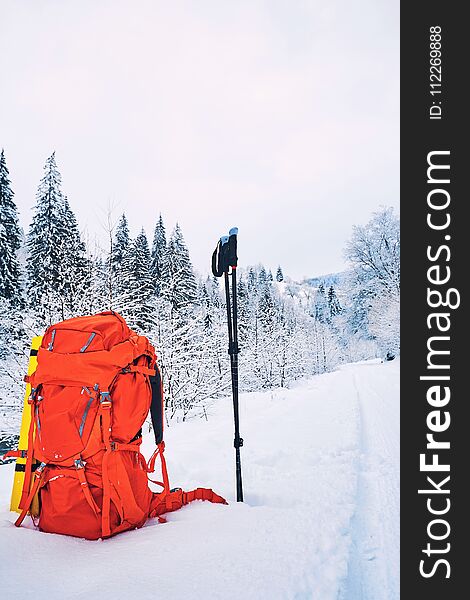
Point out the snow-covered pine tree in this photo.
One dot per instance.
(257, 318)
(262, 276)
(10, 241)
(122, 241)
(279, 274)
(248, 328)
(266, 302)
(119, 246)
(243, 306)
(137, 297)
(252, 279)
(159, 252)
(209, 300)
(179, 287)
(74, 270)
(333, 302)
(322, 311)
(214, 338)
(47, 239)
(97, 297)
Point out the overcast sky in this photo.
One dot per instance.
(280, 117)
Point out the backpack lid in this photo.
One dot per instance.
(88, 351)
(86, 334)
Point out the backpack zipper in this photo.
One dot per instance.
(90, 339)
(37, 416)
(85, 414)
(51, 343)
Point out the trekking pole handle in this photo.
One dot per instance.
(232, 248)
(225, 253)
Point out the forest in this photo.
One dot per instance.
(288, 329)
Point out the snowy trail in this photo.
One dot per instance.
(374, 559)
(299, 535)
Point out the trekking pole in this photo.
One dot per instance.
(223, 259)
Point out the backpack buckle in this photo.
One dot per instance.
(40, 469)
(79, 464)
(32, 395)
(105, 399)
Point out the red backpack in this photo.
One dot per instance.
(94, 385)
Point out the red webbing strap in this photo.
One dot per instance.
(105, 412)
(80, 473)
(151, 462)
(177, 498)
(203, 494)
(161, 484)
(160, 449)
(29, 460)
(166, 481)
(15, 454)
(38, 476)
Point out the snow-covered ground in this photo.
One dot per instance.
(320, 521)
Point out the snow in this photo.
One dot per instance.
(320, 471)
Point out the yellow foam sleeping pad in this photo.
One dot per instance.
(18, 478)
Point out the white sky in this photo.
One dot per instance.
(278, 116)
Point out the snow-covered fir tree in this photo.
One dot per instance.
(252, 279)
(122, 241)
(96, 299)
(159, 256)
(51, 242)
(10, 241)
(334, 305)
(138, 293)
(279, 274)
(322, 309)
(179, 286)
(181, 330)
(116, 277)
(74, 270)
(262, 276)
(13, 338)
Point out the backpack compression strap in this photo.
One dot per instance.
(25, 499)
(38, 479)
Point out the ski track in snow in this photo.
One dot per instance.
(374, 557)
(320, 518)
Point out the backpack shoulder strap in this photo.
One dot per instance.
(156, 407)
